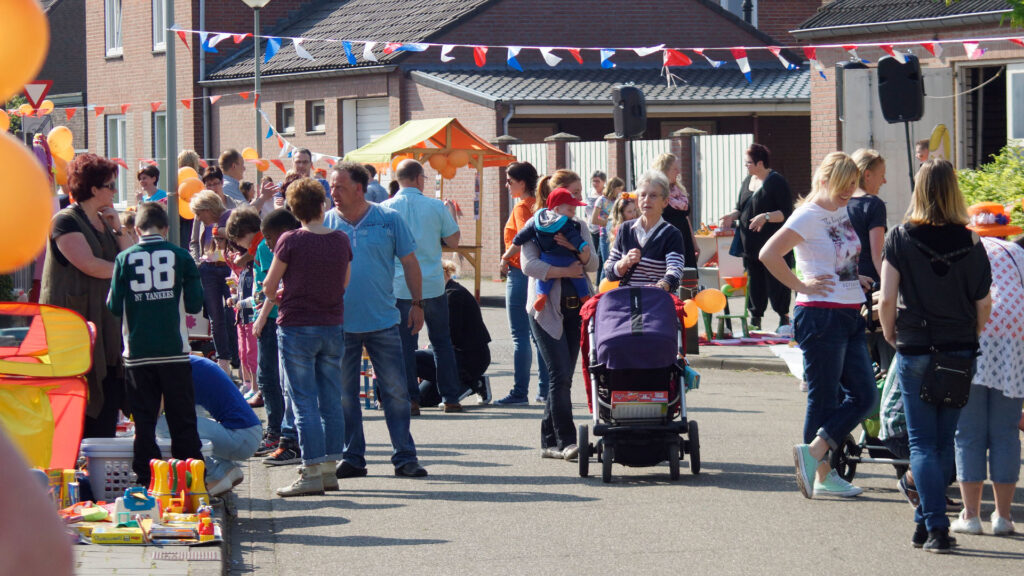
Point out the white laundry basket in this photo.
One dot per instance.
(109, 461)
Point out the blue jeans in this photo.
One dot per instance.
(603, 249)
(280, 419)
(435, 316)
(384, 348)
(931, 429)
(557, 429)
(214, 280)
(311, 359)
(841, 388)
(988, 425)
(229, 446)
(519, 325)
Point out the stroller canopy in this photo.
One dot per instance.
(636, 328)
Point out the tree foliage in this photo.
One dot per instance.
(1001, 180)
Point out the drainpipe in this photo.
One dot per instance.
(508, 117)
(206, 90)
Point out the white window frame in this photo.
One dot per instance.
(1014, 74)
(283, 110)
(313, 126)
(160, 145)
(159, 45)
(113, 17)
(117, 147)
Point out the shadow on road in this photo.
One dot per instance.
(511, 496)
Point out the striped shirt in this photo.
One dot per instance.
(661, 254)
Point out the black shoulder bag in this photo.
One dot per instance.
(947, 380)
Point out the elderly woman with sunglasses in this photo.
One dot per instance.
(84, 239)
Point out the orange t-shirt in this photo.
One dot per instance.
(521, 214)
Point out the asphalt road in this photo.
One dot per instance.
(491, 505)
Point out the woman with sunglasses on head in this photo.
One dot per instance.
(84, 239)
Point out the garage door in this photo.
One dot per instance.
(372, 120)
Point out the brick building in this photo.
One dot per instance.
(973, 98)
(333, 107)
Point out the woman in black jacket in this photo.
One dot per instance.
(764, 204)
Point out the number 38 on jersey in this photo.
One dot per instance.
(153, 270)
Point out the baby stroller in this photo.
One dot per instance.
(851, 452)
(637, 385)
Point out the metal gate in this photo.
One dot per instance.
(644, 153)
(718, 173)
(536, 154)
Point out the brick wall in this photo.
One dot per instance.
(65, 60)
(777, 17)
(826, 134)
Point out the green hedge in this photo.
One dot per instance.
(1001, 180)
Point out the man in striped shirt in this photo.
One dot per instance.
(648, 250)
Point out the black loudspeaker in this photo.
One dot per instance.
(630, 111)
(900, 89)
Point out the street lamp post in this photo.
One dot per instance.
(256, 5)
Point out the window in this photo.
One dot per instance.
(316, 116)
(286, 118)
(117, 148)
(112, 17)
(160, 146)
(736, 7)
(158, 25)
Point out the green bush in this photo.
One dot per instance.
(1001, 180)
(6, 288)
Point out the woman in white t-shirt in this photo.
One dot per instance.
(828, 324)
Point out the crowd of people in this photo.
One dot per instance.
(256, 260)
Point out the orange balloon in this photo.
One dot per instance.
(607, 285)
(250, 153)
(66, 153)
(60, 170)
(26, 110)
(5, 121)
(711, 300)
(187, 172)
(60, 137)
(184, 210)
(24, 40)
(692, 313)
(438, 162)
(186, 188)
(263, 165)
(27, 205)
(448, 172)
(46, 107)
(458, 158)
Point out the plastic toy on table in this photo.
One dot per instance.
(197, 486)
(135, 502)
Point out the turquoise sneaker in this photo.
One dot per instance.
(834, 485)
(806, 468)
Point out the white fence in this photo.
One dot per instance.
(536, 154)
(644, 153)
(719, 171)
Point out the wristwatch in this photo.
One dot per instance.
(767, 217)
(418, 303)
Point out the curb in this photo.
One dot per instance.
(776, 366)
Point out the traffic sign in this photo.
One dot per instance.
(37, 91)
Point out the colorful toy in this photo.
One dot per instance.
(160, 486)
(135, 502)
(177, 504)
(206, 532)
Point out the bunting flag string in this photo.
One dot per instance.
(349, 56)
(511, 58)
(932, 48)
(973, 50)
(301, 51)
(606, 58)
(368, 52)
(445, 51)
(549, 58)
(480, 55)
(852, 49)
(785, 63)
(714, 63)
(812, 56)
(740, 55)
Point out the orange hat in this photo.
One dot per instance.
(990, 219)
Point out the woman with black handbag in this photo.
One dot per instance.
(939, 271)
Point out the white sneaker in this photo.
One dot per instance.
(966, 525)
(230, 480)
(571, 452)
(1001, 526)
(541, 399)
(834, 485)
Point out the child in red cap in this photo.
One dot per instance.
(556, 219)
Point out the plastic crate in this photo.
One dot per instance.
(109, 461)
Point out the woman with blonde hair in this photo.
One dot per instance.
(212, 217)
(828, 324)
(677, 213)
(868, 216)
(938, 271)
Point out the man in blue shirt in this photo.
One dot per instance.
(233, 166)
(377, 236)
(374, 192)
(232, 427)
(431, 225)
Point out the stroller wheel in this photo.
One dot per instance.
(584, 457)
(673, 459)
(606, 463)
(844, 460)
(694, 448)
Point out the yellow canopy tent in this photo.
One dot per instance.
(423, 139)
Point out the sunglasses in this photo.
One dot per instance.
(110, 186)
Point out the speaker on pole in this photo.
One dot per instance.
(900, 89)
(630, 111)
